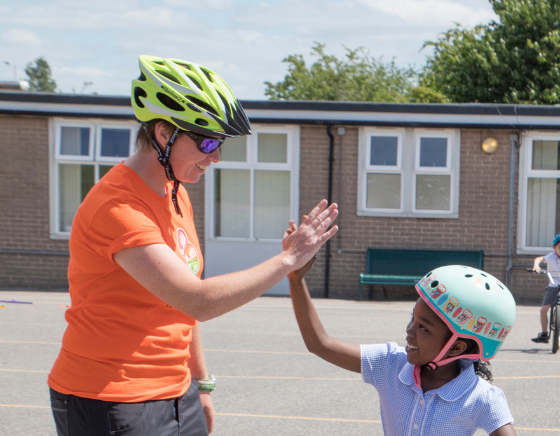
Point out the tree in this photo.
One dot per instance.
(357, 77)
(40, 76)
(515, 60)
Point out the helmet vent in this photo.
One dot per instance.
(168, 76)
(468, 276)
(434, 284)
(142, 77)
(500, 286)
(483, 275)
(169, 102)
(201, 122)
(193, 107)
(158, 62)
(139, 92)
(202, 104)
(224, 101)
(207, 74)
(487, 286)
(188, 67)
(196, 83)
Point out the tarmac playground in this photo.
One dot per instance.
(268, 384)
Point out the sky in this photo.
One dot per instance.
(244, 41)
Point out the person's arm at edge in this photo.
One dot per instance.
(197, 365)
(506, 430)
(537, 262)
(157, 268)
(340, 353)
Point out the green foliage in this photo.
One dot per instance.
(40, 76)
(356, 77)
(515, 60)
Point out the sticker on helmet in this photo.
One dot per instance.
(443, 299)
(452, 304)
(471, 323)
(465, 316)
(487, 328)
(481, 321)
(438, 291)
(508, 329)
(457, 312)
(497, 326)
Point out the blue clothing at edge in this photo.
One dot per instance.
(459, 408)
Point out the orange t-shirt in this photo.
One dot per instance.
(123, 343)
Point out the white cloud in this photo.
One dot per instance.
(200, 5)
(431, 11)
(21, 37)
(83, 72)
(242, 40)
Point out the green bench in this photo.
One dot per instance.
(407, 267)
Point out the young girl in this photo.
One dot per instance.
(430, 387)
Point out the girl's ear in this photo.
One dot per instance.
(457, 348)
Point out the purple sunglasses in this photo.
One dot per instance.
(205, 144)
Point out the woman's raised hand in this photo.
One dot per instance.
(301, 243)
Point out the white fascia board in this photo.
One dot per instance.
(50, 108)
(380, 117)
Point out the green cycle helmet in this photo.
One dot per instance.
(474, 305)
(190, 96)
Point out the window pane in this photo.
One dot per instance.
(234, 150)
(104, 169)
(384, 150)
(433, 192)
(433, 152)
(272, 203)
(232, 195)
(545, 155)
(115, 142)
(74, 141)
(75, 182)
(384, 191)
(542, 212)
(273, 147)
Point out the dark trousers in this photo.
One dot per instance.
(76, 416)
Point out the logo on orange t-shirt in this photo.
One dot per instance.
(188, 250)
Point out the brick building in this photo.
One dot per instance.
(412, 176)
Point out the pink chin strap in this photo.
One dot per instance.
(438, 360)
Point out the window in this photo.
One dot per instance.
(409, 172)
(83, 152)
(539, 191)
(251, 187)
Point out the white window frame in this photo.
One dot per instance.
(525, 173)
(95, 126)
(409, 168)
(292, 165)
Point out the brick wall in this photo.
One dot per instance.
(482, 222)
(24, 206)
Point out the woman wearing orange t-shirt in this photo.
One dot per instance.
(131, 361)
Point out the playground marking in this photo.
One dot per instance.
(246, 415)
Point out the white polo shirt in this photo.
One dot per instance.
(553, 267)
(459, 408)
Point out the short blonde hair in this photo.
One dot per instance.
(146, 135)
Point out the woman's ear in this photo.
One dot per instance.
(161, 134)
(457, 348)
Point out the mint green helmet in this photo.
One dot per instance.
(472, 303)
(188, 95)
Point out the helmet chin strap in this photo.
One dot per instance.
(439, 361)
(164, 161)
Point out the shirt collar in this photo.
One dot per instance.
(451, 391)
